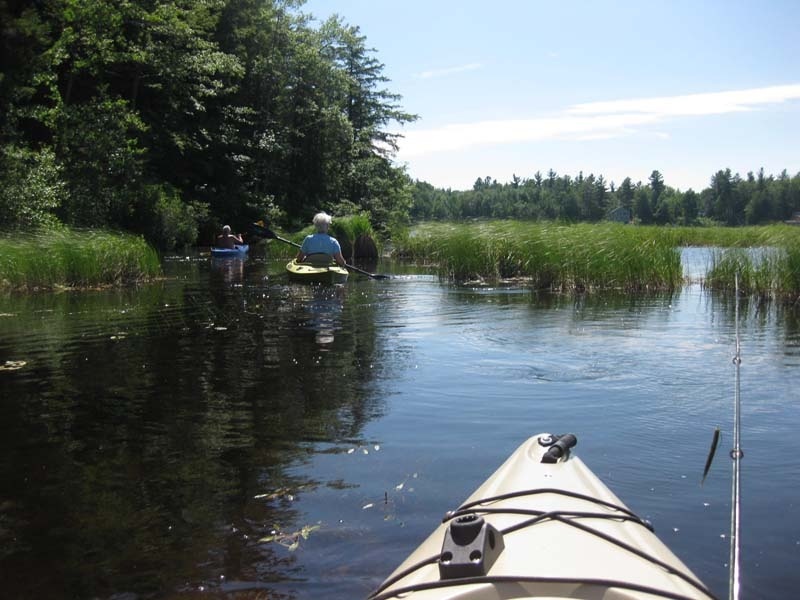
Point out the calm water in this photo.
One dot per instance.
(155, 437)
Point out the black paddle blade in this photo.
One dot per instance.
(261, 230)
(711, 452)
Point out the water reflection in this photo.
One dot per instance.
(229, 269)
(180, 437)
(147, 444)
(323, 305)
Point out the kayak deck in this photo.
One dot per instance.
(539, 529)
(315, 273)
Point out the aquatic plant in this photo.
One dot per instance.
(769, 267)
(549, 255)
(762, 272)
(350, 231)
(75, 258)
(355, 235)
(606, 255)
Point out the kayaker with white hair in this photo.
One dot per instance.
(227, 239)
(321, 245)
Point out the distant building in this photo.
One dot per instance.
(620, 215)
(795, 220)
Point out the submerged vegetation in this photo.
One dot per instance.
(604, 256)
(72, 258)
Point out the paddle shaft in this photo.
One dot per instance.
(272, 234)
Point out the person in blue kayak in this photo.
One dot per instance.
(227, 239)
(321, 243)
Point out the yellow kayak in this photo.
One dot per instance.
(310, 273)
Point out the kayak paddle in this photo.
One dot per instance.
(263, 231)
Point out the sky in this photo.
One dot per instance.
(613, 88)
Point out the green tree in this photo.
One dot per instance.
(642, 205)
(31, 189)
(758, 207)
(725, 198)
(625, 194)
(689, 205)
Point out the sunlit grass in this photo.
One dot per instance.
(347, 231)
(70, 258)
(730, 237)
(762, 272)
(605, 255)
(564, 257)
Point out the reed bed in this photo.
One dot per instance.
(72, 258)
(772, 272)
(768, 265)
(608, 255)
(352, 232)
(562, 257)
(729, 237)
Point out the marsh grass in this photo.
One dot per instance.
(729, 237)
(768, 268)
(763, 272)
(72, 258)
(606, 255)
(563, 257)
(347, 230)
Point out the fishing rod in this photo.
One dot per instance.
(736, 456)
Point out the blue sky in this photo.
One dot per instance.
(617, 89)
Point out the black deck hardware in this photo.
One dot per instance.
(470, 547)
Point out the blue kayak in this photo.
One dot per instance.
(235, 251)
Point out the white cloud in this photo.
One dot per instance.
(594, 120)
(714, 103)
(450, 70)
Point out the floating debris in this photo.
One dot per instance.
(283, 493)
(13, 365)
(290, 540)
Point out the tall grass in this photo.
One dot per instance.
(767, 266)
(71, 258)
(608, 255)
(729, 237)
(762, 272)
(578, 257)
(347, 231)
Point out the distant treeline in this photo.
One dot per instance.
(729, 200)
(168, 118)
